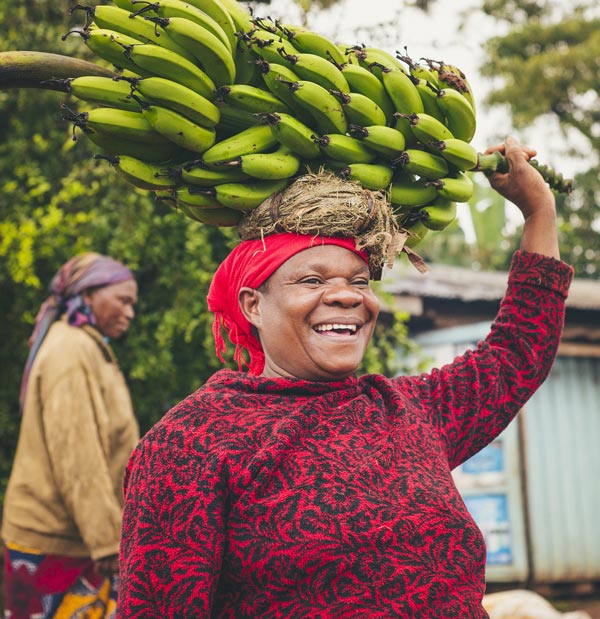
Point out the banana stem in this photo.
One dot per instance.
(497, 162)
(27, 69)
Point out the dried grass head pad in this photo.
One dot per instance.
(323, 204)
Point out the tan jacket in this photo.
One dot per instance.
(78, 430)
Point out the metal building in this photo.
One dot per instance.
(535, 491)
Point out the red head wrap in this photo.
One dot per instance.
(250, 264)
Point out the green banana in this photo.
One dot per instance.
(201, 176)
(450, 76)
(241, 17)
(166, 196)
(375, 176)
(458, 189)
(103, 91)
(460, 115)
(217, 10)
(417, 231)
(375, 59)
(270, 47)
(294, 134)
(111, 144)
(365, 82)
(278, 79)
(142, 174)
(408, 192)
(179, 129)
(191, 196)
(424, 164)
(222, 217)
(420, 71)
(439, 214)
(325, 109)
(313, 68)
(402, 91)
(160, 62)
(270, 25)
(111, 46)
(111, 17)
(213, 56)
(247, 196)
(126, 5)
(251, 99)
(428, 96)
(255, 139)
(123, 124)
(234, 120)
(426, 128)
(279, 164)
(246, 65)
(456, 152)
(308, 42)
(359, 109)
(180, 8)
(384, 140)
(179, 98)
(345, 148)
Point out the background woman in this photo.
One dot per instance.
(297, 489)
(62, 511)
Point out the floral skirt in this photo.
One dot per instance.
(42, 586)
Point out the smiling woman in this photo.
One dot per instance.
(294, 488)
(315, 315)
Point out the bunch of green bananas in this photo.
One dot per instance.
(214, 110)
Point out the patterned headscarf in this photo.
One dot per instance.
(80, 273)
(250, 264)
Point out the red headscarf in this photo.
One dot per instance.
(250, 264)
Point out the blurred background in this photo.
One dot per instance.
(535, 71)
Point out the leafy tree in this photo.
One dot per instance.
(546, 67)
(57, 200)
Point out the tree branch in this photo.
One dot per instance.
(27, 69)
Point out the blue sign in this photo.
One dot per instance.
(490, 512)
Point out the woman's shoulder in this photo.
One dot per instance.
(65, 345)
(212, 408)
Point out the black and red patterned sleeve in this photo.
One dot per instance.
(173, 531)
(471, 400)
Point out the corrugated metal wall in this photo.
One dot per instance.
(559, 466)
(562, 460)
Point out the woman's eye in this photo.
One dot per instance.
(311, 280)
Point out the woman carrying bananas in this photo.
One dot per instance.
(62, 510)
(297, 488)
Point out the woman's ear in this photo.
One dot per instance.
(86, 297)
(249, 300)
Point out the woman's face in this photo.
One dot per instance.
(112, 307)
(315, 316)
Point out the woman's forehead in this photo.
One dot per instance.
(330, 258)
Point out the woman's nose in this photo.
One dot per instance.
(343, 294)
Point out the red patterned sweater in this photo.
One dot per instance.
(261, 498)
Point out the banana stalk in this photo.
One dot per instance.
(28, 69)
(497, 162)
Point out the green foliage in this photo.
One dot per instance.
(554, 53)
(56, 200)
(391, 351)
(514, 10)
(558, 62)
